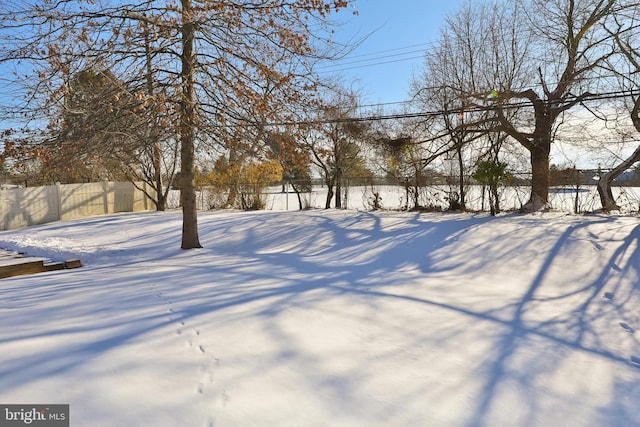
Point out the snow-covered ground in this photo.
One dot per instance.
(329, 318)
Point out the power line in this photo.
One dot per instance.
(437, 113)
(382, 104)
(602, 96)
(388, 50)
(339, 65)
(371, 65)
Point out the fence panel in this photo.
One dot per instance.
(22, 207)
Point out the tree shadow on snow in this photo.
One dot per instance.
(275, 262)
(577, 330)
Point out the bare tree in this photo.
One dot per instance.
(407, 163)
(527, 71)
(570, 33)
(473, 55)
(335, 143)
(294, 159)
(625, 31)
(122, 128)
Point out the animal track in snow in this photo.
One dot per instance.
(192, 338)
(627, 328)
(192, 341)
(597, 246)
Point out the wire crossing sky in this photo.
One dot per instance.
(398, 35)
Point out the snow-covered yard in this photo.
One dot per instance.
(329, 318)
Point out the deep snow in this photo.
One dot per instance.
(329, 318)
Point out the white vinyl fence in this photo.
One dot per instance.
(21, 207)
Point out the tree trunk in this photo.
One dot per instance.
(416, 197)
(151, 137)
(327, 205)
(338, 181)
(539, 197)
(187, 133)
(406, 196)
(234, 183)
(416, 193)
(604, 183)
(604, 191)
(461, 200)
(330, 181)
(299, 199)
(494, 199)
(161, 201)
(231, 197)
(297, 191)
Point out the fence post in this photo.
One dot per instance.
(105, 197)
(576, 203)
(346, 194)
(58, 197)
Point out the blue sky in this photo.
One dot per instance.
(400, 32)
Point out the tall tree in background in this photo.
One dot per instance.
(473, 55)
(90, 137)
(570, 33)
(129, 136)
(538, 62)
(626, 66)
(207, 55)
(294, 159)
(407, 163)
(335, 143)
